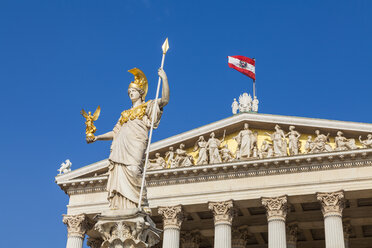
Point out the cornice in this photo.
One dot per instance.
(240, 169)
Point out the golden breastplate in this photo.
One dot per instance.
(133, 113)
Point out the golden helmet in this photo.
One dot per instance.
(140, 81)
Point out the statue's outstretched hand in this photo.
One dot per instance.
(91, 140)
(161, 73)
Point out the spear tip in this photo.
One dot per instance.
(165, 46)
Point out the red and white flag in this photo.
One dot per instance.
(244, 65)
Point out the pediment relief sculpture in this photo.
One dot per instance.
(249, 144)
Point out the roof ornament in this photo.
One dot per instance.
(246, 104)
(65, 167)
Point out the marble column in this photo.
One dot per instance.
(239, 237)
(77, 226)
(223, 215)
(332, 206)
(172, 221)
(276, 212)
(347, 232)
(190, 239)
(292, 233)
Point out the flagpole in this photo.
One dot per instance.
(254, 80)
(165, 48)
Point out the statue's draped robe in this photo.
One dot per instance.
(245, 143)
(203, 155)
(127, 158)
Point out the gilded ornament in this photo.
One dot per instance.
(89, 122)
(133, 113)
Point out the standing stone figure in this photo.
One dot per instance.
(201, 145)
(235, 107)
(255, 104)
(129, 140)
(279, 142)
(212, 145)
(157, 163)
(169, 156)
(320, 143)
(366, 143)
(343, 143)
(293, 141)
(244, 140)
(309, 144)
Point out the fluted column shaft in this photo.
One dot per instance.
(77, 226)
(172, 221)
(276, 212)
(332, 206)
(223, 215)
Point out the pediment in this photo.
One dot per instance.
(260, 123)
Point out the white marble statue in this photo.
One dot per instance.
(235, 107)
(255, 104)
(245, 103)
(293, 141)
(343, 144)
(182, 158)
(169, 156)
(213, 145)
(244, 140)
(129, 140)
(226, 154)
(320, 143)
(366, 143)
(266, 151)
(65, 167)
(279, 142)
(201, 145)
(157, 163)
(309, 144)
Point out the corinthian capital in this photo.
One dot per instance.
(77, 225)
(276, 207)
(172, 216)
(332, 203)
(223, 212)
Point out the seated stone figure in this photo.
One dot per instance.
(343, 144)
(320, 143)
(157, 163)
(267, 150)
(182, 158)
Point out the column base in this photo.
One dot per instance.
(129, 228)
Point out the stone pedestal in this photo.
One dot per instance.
(223, 215)
(276, 212)
(332, 206)
(128, 228)
(77, 226)
(172, 221)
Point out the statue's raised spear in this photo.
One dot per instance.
(165, 48)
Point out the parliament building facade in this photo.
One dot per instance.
(250, 180)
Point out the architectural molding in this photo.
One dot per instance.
(223, 212)
(332, 203)
(276, 207)
(172, 216)
(77, 225)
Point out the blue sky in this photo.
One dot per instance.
(313, 59)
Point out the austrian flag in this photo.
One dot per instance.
(244, 65)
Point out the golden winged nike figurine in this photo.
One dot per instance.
(89, 119)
